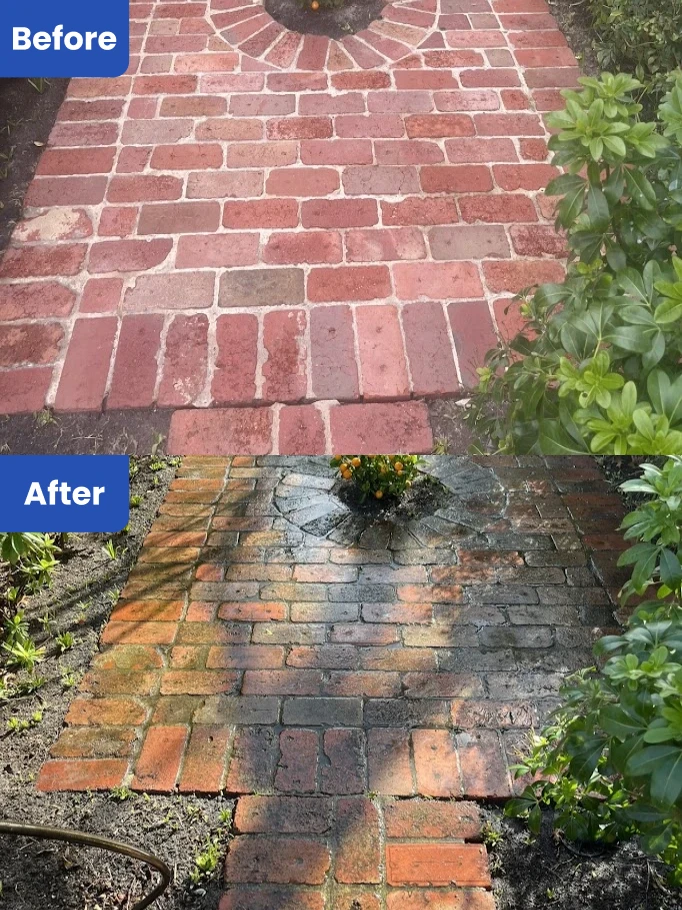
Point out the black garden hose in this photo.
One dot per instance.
(103, 843)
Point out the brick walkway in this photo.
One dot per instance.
(331, 675)
(254, 218)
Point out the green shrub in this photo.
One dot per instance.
(639, 36)
(611, 760)
(378, 475)
(597, 365)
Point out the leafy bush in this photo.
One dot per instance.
(378, 475)
(639, 36)
(611, 760)
(597, 366)
(657, 558)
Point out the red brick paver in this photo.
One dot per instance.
(355, 697)
(250, 217)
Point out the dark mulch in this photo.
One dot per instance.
(44, 874)
(121, 431)
(547, 873)
(26, 118)
(336, 21)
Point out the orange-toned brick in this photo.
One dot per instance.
(157, 767)
(89, 774)
(437, 864)
(204, 764)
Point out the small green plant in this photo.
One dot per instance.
(611, 760)
(597, 364)
(44, 418)
(491, 834)
(21, 725)
(109, 549)
(46, 622)
(65, 641)
(135, 501)
(206, 861)
(24, 655)
(121, 794)
(380, 476)
(69, 679)
(22, 651)
(28, 686)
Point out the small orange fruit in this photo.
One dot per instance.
(315, 5)
(398, 466)
(356, 462)
(379, 494)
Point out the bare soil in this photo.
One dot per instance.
(549, 873)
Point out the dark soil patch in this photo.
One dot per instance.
(45, 874)
(546, 873)
(116, 432)
(452, 436)
(26, 118)
(619, 468)
(336, 21)
(575, 21)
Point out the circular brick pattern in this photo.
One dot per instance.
(403, 28)
(472, 495)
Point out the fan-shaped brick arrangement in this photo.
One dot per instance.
(402, 28)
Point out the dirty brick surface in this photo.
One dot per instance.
(356, 684)
(253, 218)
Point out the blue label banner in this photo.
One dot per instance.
(61, 493)
(64, 38)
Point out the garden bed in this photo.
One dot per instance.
(548, 873)
(26, 119)
(47, 874)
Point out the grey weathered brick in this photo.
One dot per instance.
(516, 637)
(502, 594)
(399, 712)
(563, 558)
(369, 593)
(322, 712)
(242, 709)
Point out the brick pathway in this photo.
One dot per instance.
(251, 217)
(331, 675)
